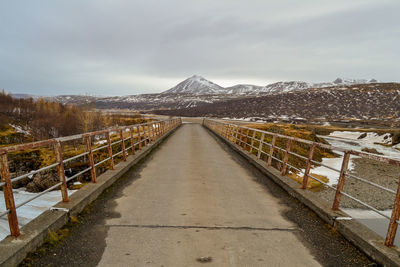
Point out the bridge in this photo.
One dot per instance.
(192, 194)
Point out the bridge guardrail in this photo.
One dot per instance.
(251, 139)
(137, 136)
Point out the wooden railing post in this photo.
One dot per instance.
(61, 173)
(121, 134)
(286, 158)
(252, 141)
(271, 151)
(9, 196)
(132, 141)
(342, 177)
(392, 229)
(260, 146)
(308, 166)
(91, 159)
(110, 153)
(139, 137)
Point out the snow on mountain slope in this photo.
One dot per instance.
(282, 87)
(196, 91)
(199, 86)
(243, 89)
(196, 85)
(378, 102)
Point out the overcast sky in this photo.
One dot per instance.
(120, 47)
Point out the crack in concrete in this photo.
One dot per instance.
(245, 228)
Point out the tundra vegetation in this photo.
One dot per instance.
(296, 147)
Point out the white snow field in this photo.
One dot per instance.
(29, 211)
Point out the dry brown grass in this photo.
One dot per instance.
(311, 183)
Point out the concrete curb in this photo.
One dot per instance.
(362, 237)
(13, 251)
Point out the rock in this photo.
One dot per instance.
(362, 136)
(42, 181)
(371, 150)
(204, 259)
(21, 183)
(396, 138)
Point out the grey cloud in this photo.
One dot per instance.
(128, 47)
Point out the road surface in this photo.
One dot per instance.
(194, 203)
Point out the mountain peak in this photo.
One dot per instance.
(197, 85)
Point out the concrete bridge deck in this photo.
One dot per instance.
(195, 201)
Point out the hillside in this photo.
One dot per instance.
(196, 91)
(376, 101)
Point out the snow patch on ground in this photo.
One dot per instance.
(29, 211)
(101, 142)
(366, 214)
(332, 175)
(349, 141)
(19, 129)
(370, 138)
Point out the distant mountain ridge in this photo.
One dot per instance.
(198, 85)
(197, 91)
(378, 102)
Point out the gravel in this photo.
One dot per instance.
(380, 173)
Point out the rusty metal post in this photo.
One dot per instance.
(241, 137)
(245, 144)
(139, 137)
(392, 229)
(61, 173)
(149, 131)
(260, 146)
(252, 141)
(110, 153)
(91, 159)
(308, 167)
(342, 177)
(132, 141)
(9, 196)
(121, 134)
(286, 158)
(236, 131)
(271, 150)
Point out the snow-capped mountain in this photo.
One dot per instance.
(196, 85)
(196, 91)
(243, 89)
(282, 87)
(375, 102)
